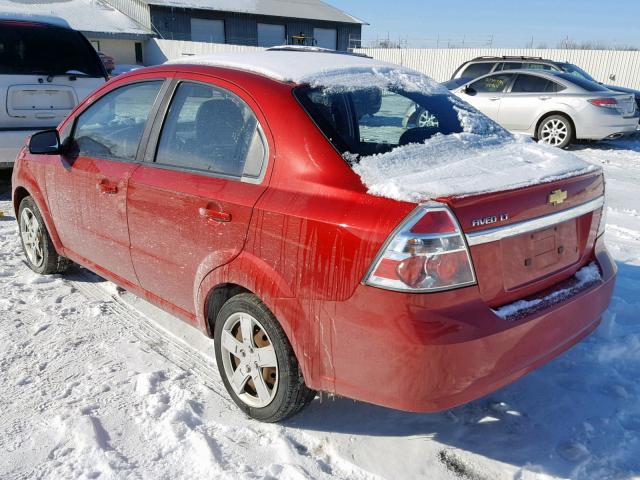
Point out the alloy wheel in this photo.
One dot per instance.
(32, 237)
(554, 132)
(427, 119)
(249, 360)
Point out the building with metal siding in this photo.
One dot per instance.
(174, 22)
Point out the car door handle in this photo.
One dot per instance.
(544, 97)
(493, 99)
(106, 187)
(214, 216)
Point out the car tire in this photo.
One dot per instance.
(253, 353)
(36, 242)
(556, 130)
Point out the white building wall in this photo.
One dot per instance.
(122, 51)
(158, 51)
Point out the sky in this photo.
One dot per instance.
(511, 23)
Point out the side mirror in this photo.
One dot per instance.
(46, 142)
(468, 90)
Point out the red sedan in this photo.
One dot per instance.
(278, 202)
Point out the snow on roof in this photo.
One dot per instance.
(48, 19)
(83, 15)
(307, 9)
(291, 65)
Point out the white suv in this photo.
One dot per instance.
(46, 68)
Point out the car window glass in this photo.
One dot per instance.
(365, 121)
(581, 82)
(538, 66)
(510, 66)
(476, 70)
(211, 129)
(35, 49)
(492, 83)
(532, 84)
(113, 126)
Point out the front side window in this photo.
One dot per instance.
(476, 70)
(492, 84)
(113, 126)
(211, 129)
(533, 84)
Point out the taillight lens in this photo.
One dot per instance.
(427, 252)
(604, 102)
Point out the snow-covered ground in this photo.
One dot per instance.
(95, 383)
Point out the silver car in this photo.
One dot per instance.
(553, 107)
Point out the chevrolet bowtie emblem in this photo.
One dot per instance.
(557, 197)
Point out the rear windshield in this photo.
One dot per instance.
(576, 71)
(35, 49)
(588, 85)
(369, 120)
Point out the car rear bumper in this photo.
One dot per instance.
(425, 360)
(10, 143)
(611, 126)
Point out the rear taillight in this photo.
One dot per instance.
(604, 102)
(427, 252)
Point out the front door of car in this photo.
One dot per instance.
(90, 183)
(190, 203)
(486, 93)
(528, 97)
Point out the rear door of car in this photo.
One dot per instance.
(190, 203)
(527, 98)
(89, 183)
(486, 93)
(45, 70)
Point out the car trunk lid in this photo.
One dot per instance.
(525, 240)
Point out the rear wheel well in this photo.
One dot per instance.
(20, 194)
(550, 114)
(217, 298)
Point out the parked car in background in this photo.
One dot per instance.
(483, 65)
(124, 68)
(167, 182)
(107, 61)
(553, 107)
(46, 68)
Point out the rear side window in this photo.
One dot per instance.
(534, 84)
(476, 70)
(211, 129)
(538, 66)
(492, 83)
(113, 126)
(510, 66)
(28, 48)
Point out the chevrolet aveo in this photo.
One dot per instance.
(226, 192)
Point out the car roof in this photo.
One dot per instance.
(290, 65)
(509, 57)
(28, 17)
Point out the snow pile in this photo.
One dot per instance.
(464, 164)
(584, 277)
(83, 15)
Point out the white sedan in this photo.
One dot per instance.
(553, 107)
